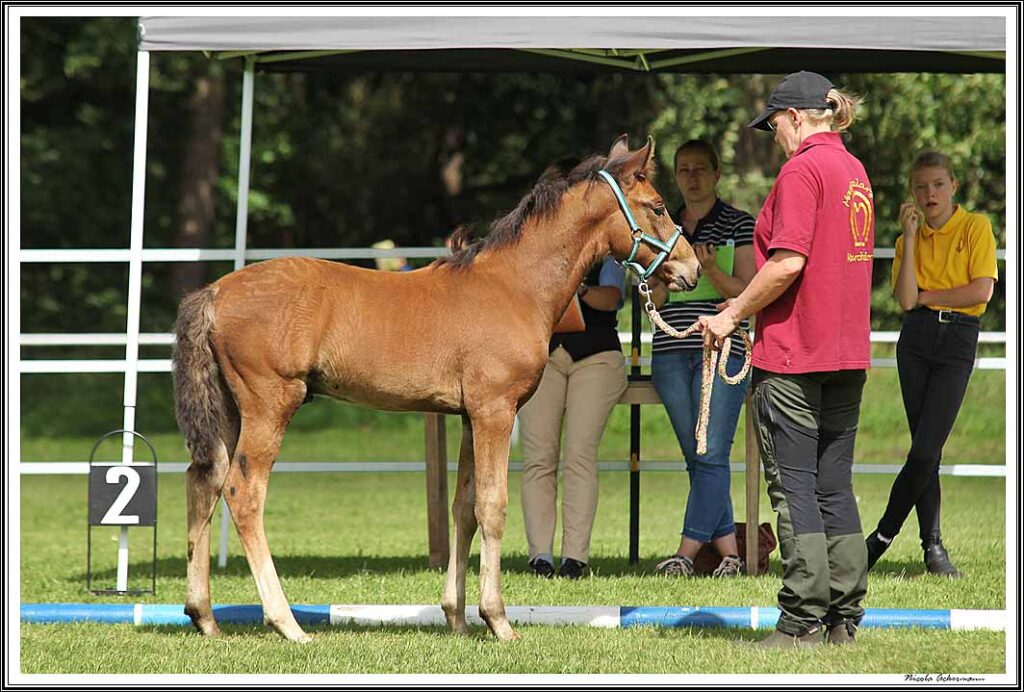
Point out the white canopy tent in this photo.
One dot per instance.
(651, 44)
(721, 44)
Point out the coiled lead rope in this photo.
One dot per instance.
(712, 360)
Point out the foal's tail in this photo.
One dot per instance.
(199, 394)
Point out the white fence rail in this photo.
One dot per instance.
(164, 365)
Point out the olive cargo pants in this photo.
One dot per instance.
(806, 427)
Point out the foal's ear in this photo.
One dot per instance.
(620, 147)
(650, 150)
(639, 160)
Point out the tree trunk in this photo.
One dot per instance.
(198, 181)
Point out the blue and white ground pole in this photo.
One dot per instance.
(146, 614)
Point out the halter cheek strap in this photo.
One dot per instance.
(639, 237)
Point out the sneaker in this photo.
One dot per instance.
(730, 566)
(542, 568)
(778, 639)
(876, 546)
(936, 561)
(842, 632)
(572, 569)
(676, 566)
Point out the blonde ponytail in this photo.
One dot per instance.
(842, 113)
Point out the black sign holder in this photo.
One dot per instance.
(634, 434)
(106, 505)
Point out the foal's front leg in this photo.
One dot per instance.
(454, 600)
(492, 430)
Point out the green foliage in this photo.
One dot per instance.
(343, 159)
(902, 114)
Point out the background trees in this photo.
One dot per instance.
(346, 159)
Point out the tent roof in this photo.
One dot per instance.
(657, 44)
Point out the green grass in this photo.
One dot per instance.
(123, 649)
(361, 538)
(330, 431)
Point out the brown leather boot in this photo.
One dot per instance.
(813, 636)
(842, 632)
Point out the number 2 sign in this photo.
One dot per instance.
(122, 495)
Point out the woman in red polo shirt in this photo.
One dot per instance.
(813, 245)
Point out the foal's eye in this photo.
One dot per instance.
(659, 210)
(640, 177)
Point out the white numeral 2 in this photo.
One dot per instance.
(131, 476)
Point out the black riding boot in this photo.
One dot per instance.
(876, 547)
(936, 560)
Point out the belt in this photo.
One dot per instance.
(950, 316)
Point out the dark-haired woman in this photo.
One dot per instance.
(722, 237)
(584, 378)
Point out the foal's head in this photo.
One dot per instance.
(633, 171)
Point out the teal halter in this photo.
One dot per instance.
(639, 236)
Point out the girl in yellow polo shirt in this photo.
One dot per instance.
(943, 276)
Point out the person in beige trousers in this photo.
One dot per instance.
(584, 378)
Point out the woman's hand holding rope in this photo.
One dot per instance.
(717, 342)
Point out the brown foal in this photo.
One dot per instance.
(466, 335)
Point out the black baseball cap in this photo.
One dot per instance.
(799, 90)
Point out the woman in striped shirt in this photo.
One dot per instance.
(722, 237)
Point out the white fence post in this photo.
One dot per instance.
(241, 223)
(131, 350)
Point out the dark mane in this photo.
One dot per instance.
(541, 201)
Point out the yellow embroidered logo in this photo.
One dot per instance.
(858, 199)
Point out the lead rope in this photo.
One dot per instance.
(712, 359)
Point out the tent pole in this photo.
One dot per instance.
(131, 351)
(241, 221)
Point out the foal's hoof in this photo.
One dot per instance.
(460, 629)
(298, 637)
(505, 633)
(202, 620)
(295, 635)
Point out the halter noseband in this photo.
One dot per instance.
(639, 236)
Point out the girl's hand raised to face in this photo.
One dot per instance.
(910, 219)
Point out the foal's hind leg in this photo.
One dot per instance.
(454, 600)
(492, 429)
(246, 492)
(203, 482)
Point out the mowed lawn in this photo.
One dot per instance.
(360, 538)
(325, 430)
